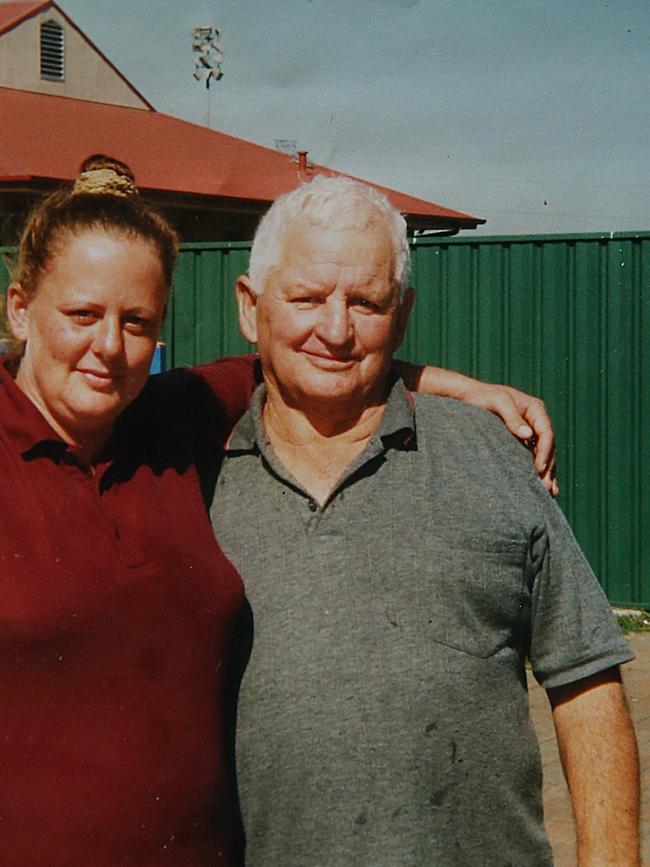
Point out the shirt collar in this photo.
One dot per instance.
(395, 430)
(244, 436)
(25, 427)
(397, 426)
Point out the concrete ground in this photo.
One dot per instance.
(557, 806)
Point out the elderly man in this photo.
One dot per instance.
(401, 561)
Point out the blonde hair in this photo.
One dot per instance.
(104, 196)
(337, 202)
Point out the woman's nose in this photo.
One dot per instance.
(109, 339)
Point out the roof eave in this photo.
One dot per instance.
(10, 180)
(418, 222)
(422, 223)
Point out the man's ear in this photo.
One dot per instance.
(406, 305)
(247, 307)
(18, 311)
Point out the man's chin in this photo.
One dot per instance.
(335, 394)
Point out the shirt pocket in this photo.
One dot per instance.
(473, 599)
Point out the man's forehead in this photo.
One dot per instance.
(307, 231)
(326, 279)
(307, 246)
(304, 276)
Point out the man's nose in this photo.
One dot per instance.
(109, 338)
(334, 325)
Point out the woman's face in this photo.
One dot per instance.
(90, 329)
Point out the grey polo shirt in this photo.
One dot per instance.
(383, 716)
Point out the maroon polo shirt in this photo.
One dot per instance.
(116, 613)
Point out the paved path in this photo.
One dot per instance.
(557, 807)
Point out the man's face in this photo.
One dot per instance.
(330, 319)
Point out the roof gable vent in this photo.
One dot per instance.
(52, 51)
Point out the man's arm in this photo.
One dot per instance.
(524, 416)
(600, 759)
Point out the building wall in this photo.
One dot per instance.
(87, 74)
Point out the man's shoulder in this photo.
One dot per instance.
(471, 433)
(447, 413)
(437, 408)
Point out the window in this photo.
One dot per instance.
(52, 51)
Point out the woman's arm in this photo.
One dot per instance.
(233, 380)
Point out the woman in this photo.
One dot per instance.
(117, 605)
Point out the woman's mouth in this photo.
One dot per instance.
(100, 380)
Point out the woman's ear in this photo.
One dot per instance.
(247, 306)
(18, 311)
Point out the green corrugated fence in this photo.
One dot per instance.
(566, 317)
(201, 319)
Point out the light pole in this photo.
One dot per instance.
(208, 58)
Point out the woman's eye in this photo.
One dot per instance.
(83, 317)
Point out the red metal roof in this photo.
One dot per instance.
(13, 13)
(47, 137)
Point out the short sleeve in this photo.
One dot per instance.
(184, 416)
(232, 380)
(573, 631)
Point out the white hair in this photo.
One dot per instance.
(333, 202)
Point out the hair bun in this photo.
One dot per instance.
(104, 197)
(101, 175)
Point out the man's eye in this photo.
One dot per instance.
(364, 304)
(138, 323)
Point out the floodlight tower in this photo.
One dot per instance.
(208, 58)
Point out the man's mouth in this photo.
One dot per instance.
(330, 362)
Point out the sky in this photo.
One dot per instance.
(532, 114)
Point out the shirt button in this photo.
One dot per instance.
(313, 505)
